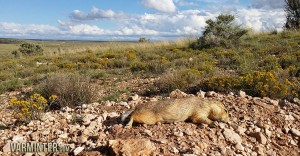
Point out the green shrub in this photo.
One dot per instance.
(71, 89)
(11, 85)
(287, 60)
(143, 40)
(222, 32)
(138, 66)
(29, 49)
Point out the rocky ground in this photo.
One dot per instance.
(258, 126)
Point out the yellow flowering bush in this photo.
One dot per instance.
(26, 110)
(222, 84)
(258, 83)
(264, 84)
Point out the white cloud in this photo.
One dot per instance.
(14, 29)
(268, 4)
(166, 6)
(136, 30)
(84, 29)
(185, 3)
(261, 20)
(94, 14)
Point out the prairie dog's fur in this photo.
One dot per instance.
(175, 110)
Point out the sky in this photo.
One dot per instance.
(108, 20)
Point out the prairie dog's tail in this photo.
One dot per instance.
(126, 114)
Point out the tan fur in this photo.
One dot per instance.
(174, 110)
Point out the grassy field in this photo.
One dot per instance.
(262, 64)
(66, 47)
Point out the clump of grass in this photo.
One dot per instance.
(71, 89)
(181, 79)
(113, 96)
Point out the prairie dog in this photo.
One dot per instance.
(196, 109)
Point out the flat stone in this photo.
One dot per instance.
(46, 132)
(78, 150)
(6, 148)
(231, 136)
(18, 139)
(260, 137)
(131, 147)
(63, 136)
(295, 132)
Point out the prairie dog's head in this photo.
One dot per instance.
(225, 116)
(126, 114)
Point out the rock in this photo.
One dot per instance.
(30, 124)
(268, 133)
(131, 147)
(82, 139)
(239, 147)
(174, 150)
(78, 150)
(63, 136)
(274, 102)
(177, 94)
(231, 136)
(90, 153)
(259, 149)
(148, 132)
(295, 132)
(48, 117)
(289, 117)
(189, 132)
(241, 130)
(113, 114)
(125, 104)
(87, 119)
(35, 136)
(285, 129)
(260, 137)
(201, 94)
(296, 100)
(162, 141)
(197, 150)
(46, 132)
(242, 94)
(6, 148)
(135, 97)
(66, 109)
(84, 106)
(223, 150)
(210, 94)
(293, 142)
(18, 139)
(231, 93)
(107, 103)
(178, 134)
(222, 125)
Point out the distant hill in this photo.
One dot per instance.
(10, 41)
